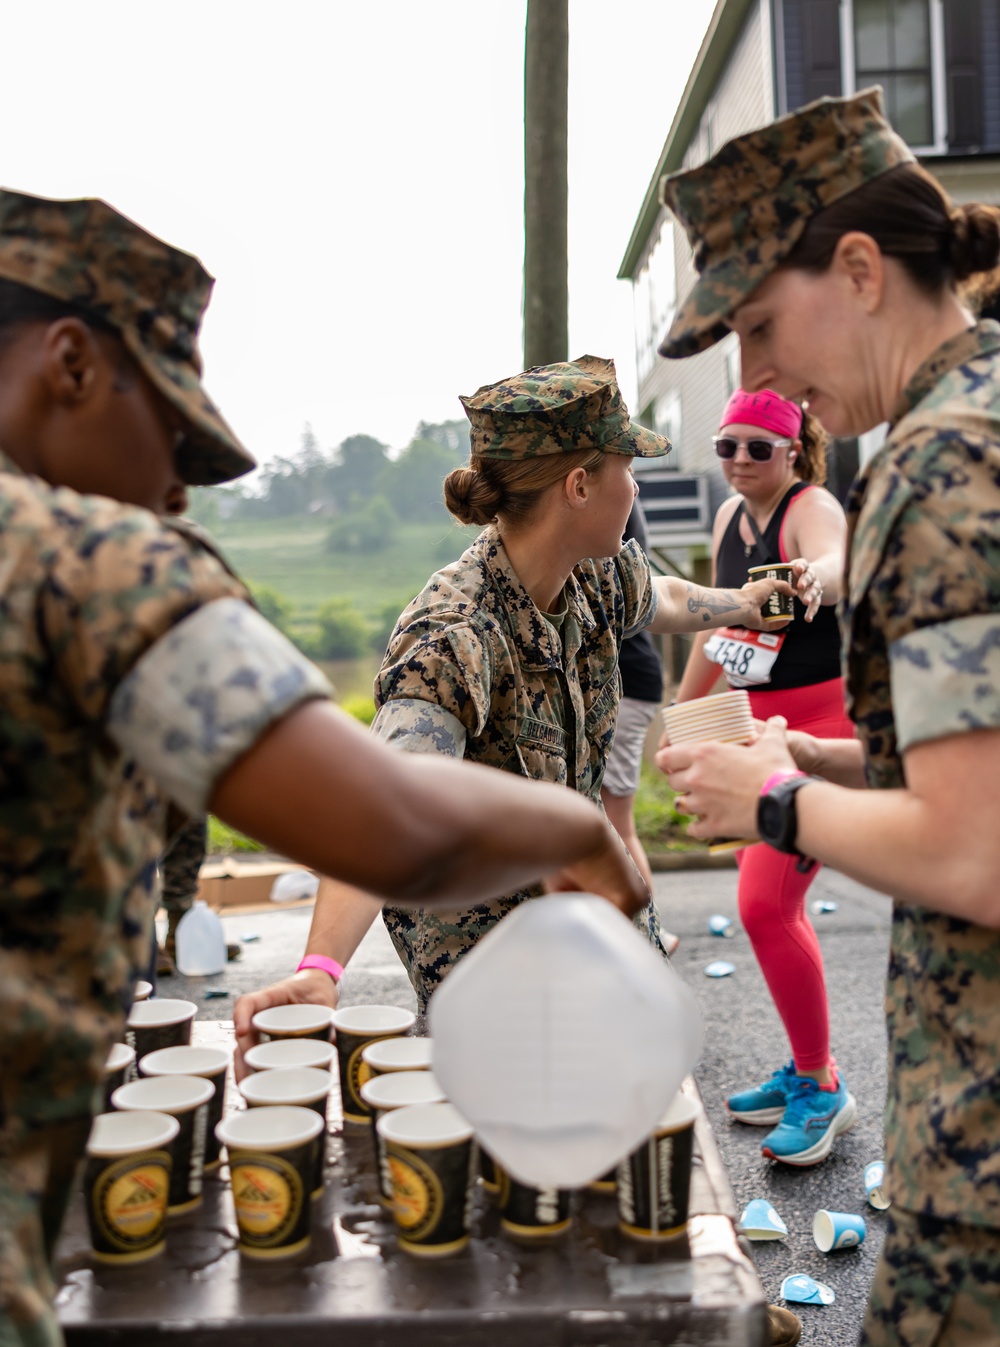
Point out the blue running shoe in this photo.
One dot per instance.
(813, 1117)
(764, 1105)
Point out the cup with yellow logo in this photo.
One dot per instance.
(355, 1027)
(271, 1161)
(431, 1159)
(396, 1089)
(127, 1183)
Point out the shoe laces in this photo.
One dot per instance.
(801, 1093)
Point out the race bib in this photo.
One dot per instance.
(746, 657)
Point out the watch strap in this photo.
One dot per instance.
(783, 774)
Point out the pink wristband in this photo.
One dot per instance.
(775, 777)
(330, 966)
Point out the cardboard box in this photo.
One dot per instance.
(232, 883)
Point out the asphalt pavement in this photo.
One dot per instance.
(744, 1042)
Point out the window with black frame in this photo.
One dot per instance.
(892, 47)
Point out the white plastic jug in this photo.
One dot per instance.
(563, 1037)
(201, 942)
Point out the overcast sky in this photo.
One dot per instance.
(352, 175)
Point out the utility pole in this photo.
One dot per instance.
(546, 77)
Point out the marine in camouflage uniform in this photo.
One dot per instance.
(133, 673)
(922, 662)
(475, 670)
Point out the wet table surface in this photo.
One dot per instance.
(590, 1288)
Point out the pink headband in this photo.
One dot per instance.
(764, 409)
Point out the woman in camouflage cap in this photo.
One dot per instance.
(509, 656)
(836, 258)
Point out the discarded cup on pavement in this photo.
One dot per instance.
(800, 1289)
(720, 925)
(822, 905)
(760, 1221)
(294, 1022)
(271, 1163)
(541, 1039)
(719, 968)
(431, 1157)
(837, 1230)
(874, 1179)
(126, 1184)
(208, 1063)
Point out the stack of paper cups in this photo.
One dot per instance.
(726, 718)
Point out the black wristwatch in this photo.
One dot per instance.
(777, 821)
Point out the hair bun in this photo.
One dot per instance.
(974, 239)
(470, 498)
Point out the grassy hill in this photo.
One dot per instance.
(289, 555)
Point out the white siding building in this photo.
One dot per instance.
(939, 63)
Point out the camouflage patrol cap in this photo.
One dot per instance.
(557, 409)
(745, 209)
(85, 253)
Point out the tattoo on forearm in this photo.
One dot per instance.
(712, 601)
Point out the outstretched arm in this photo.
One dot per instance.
(684, 606)
(412, 827)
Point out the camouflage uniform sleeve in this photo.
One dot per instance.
(203, 694)
(420, 727)
(936, 596)
(637, 587)
(445, 663)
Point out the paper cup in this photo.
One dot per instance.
(289, 1052)
(126, 1184)
(185, 1098)
(159, 1023)
(431, 1156)
(725, 717)
(488, 1172)
(293, 1022)
(837, 1230)
(356, 1027)
(119, 1068)
(301, 1087)
(143, 991)
(383, 1094)
(874, 1180)
(779, 607)
(397, 1054)
(654, 1182)
(207, 1063)
(271, 1162)
(532, 1214)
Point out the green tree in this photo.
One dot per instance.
(365, 530)
(414, 484)
(358, 461)
(274, 606)
(384, 623)
(342, 631)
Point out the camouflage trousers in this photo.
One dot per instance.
(180, 865)
(430, 941)
(37, 1175)
(937, 1284)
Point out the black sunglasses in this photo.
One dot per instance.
(761, 451)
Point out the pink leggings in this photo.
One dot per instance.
(772, 891)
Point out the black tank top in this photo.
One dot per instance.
(811, 652)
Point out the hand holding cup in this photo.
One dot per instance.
(720, 783)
